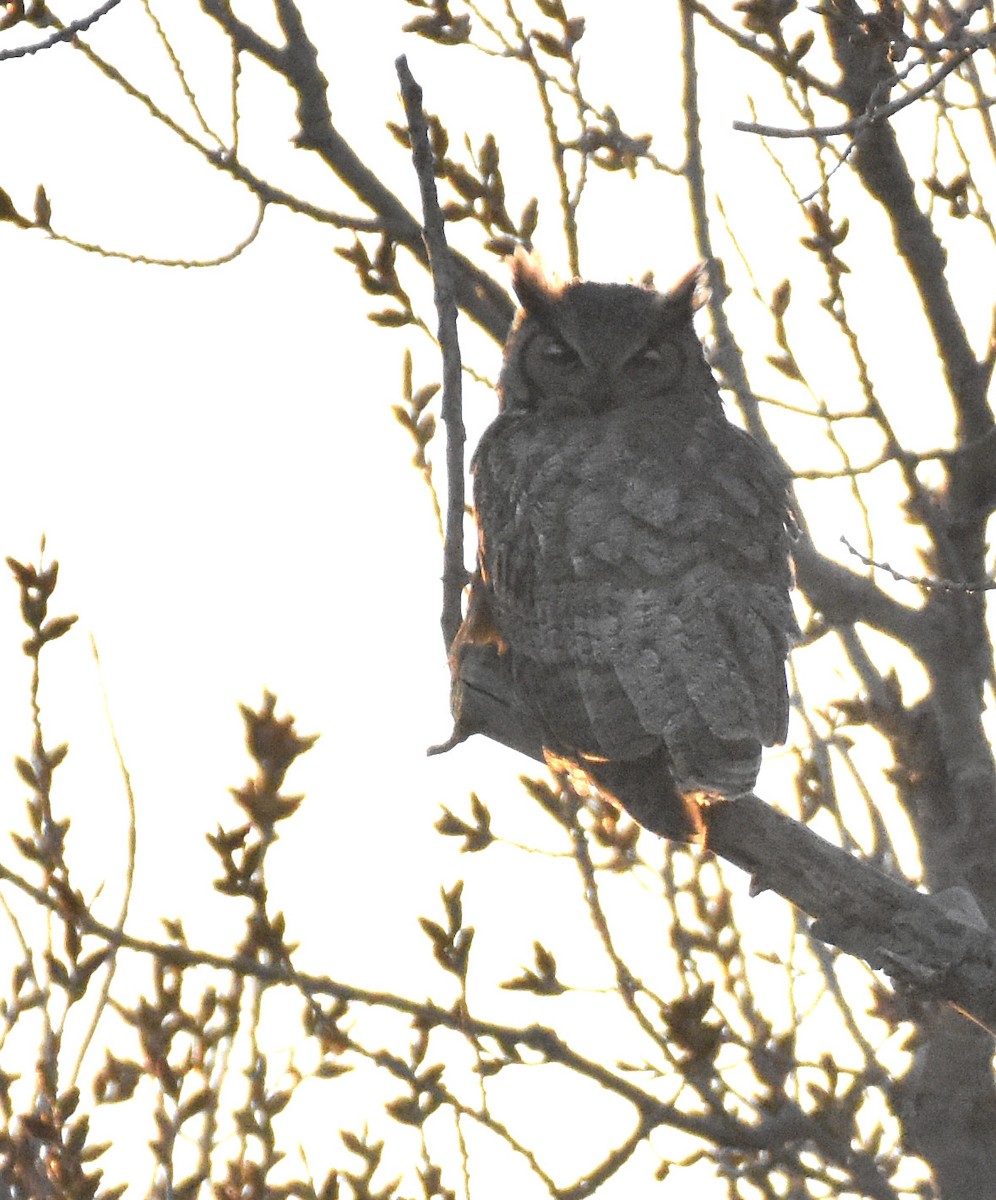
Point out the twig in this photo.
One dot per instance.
(721, 1126)
(767, 54)
(927, 582)
(568, 204)
(728, 353)
(179, 72)
(217, 261)
(66, 34)
(872, 115)
(440, 265)
(129, 881)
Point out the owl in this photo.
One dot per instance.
(633, 553)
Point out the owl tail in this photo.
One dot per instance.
(646, 790)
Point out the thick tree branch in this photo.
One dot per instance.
(842, 596)
(885, 174)
(244, 36)
(484, 301)
(837, 593)
(911, 936)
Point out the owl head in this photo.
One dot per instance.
(585, 348)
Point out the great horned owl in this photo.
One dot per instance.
(633, 561)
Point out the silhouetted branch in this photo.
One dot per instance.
(894, 928)
(787, 1125)
(842, 597)
(929, 583)
(752, 45)
(728, 356)
(440, 265)
(885, 173)
(874, 113)
(147, 260)
(476, 292)
(65, 34)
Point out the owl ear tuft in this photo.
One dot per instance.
(535, 291)
(691, 291)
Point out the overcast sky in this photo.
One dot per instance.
(212, 457)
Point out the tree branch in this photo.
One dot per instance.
(64, 34)
(484, 301)
(913, 937)
(244, 36)
(753, 45)
(873, 113)
(841, 596)
(440, 265)
(789, 1124)
(885, 174)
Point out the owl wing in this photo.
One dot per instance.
(637, 573)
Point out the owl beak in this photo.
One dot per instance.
(599, 395)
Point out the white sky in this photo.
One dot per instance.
(212, 458)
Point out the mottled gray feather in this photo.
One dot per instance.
(634, 551)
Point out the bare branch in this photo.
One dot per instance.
(244, 36)
(765, 53)
(219, 260)
(720, 1127)
(64, 34)
(476, 292)
(856, 907)
(929, 583)
(129, 878)
(728, 354)
(843, 597)
(885, 174)
(874, 113)
(440, 264)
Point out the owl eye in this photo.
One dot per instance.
(559, 352)
(662, 359)
(648, 356)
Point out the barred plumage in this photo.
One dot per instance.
(634, 553)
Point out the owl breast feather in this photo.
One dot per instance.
(638, 574)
